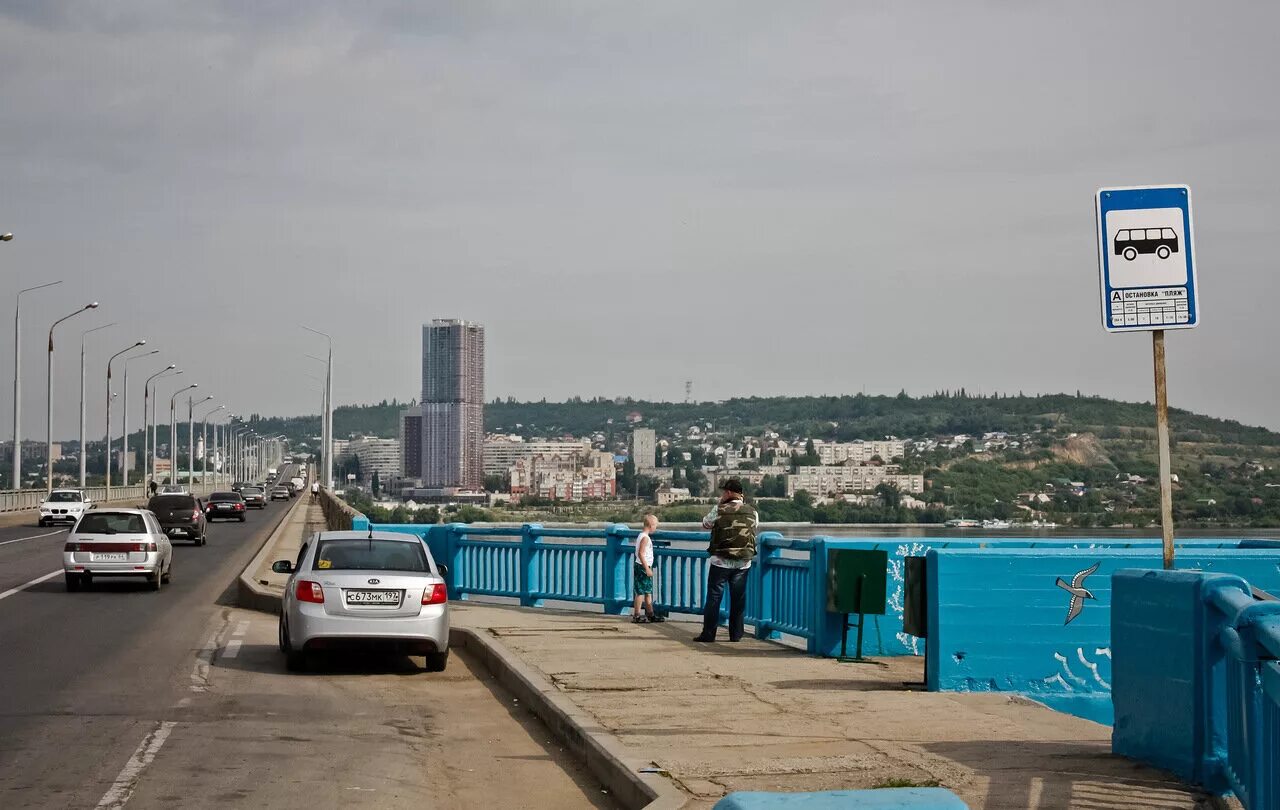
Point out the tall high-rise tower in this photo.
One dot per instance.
(452, 405)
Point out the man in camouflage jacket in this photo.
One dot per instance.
(733, 546)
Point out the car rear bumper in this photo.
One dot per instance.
(412, 635)
(131, 568)
(181, 529)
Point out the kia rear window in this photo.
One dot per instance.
(112, 523)
(172, 502)
(370, 555)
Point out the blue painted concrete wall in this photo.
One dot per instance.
(1162, 635)
(998, 620)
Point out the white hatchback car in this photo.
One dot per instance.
(117, 543)
(63, 506)
(379, 591)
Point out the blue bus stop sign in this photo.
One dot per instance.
(1146, 259)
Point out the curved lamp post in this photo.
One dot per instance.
(328, 414)
(124, 416)
(84, 447)
(48, 388)
(17, 379)
(111, 396)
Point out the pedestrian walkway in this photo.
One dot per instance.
(760, 715)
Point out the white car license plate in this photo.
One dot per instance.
(224, 506)
(110, 556)
(373, 597)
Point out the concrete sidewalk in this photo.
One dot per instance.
(762, 716)
(759, 715)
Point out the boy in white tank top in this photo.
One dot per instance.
(642, 574)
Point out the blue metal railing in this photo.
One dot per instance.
(1248, 632)
(533, 564)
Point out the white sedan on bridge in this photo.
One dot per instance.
(63, 506)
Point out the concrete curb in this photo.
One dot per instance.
(249, 593)
(601, 752)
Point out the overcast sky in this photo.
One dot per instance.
(762, 197)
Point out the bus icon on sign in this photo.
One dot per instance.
(1161, 241)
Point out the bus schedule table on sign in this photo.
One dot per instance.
(1146, 258)
(1163, 306)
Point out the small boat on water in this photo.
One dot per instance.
(996, 524)
(962, 523)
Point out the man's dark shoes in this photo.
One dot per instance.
(655, 619)
(704, 639)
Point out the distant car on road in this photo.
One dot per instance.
(180, 516)
(63, 506)
(117, 543)
(225, 506)
(360, 591)
(255, 497)
(279, 493)
(238, 485)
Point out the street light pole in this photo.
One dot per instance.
(204, 440)
(173, 432)
(147, 470)
(17, 379)
(124, 417)
(48, 421)
(84, 447)
(191, 441)
(155, 431)
(109, 397)
(328, 417)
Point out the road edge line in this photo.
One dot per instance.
(604, 756)
(17, 589)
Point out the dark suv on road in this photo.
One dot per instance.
(180, 516)
(224, 506)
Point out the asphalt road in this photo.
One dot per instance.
(83, 675)
(120, 696)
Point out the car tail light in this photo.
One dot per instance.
(239, 507)
(143, 547)
(71, 547)
(195, 515)
(309, 591)
(435, 594)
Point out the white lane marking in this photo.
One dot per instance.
(241, 628)
(232, 649)
(200, 673)
(122, 789)
(32, 537)
(26, 585)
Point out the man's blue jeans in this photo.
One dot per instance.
(717, 578)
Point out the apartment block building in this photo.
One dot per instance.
(452, 405)
(644, 450)
(859, 452)
(411, 443)
(501, 452)
(820, 481)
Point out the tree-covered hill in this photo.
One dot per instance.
(833, 418)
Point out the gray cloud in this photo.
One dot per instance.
(880, 197)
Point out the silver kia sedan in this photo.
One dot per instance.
(117, 542)
(377, 591)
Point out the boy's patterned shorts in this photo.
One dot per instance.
(642, 582)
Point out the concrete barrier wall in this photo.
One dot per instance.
(999, 620)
